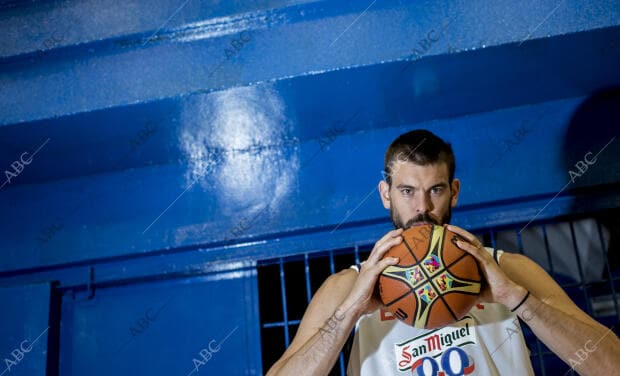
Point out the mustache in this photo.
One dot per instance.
(424, 217)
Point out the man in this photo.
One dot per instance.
(420, 187)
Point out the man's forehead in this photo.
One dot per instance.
(403, 171)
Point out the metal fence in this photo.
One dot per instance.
(579, 253)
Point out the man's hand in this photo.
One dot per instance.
(499, 288)
(362, 299)
(333, 312)
(548, 311)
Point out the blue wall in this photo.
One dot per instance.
(179, 142)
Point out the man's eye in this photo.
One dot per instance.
(405, 191)
(437, 190)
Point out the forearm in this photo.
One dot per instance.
(319, 354)
(315, 350)
(589, 350)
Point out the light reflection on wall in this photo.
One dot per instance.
(233, 142)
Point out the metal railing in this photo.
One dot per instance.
(297, 277)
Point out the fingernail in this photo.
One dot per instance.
(393, 259)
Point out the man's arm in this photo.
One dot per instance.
(570, 333)
(332, 313)
(575, 337)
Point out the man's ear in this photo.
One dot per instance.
(384, 192)
(455, 189)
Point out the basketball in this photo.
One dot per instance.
(435, 283)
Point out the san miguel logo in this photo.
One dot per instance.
(436, 348)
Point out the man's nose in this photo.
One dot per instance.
(423, 203)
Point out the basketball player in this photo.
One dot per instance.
(420, 188)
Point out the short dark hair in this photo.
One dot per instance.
(421, 147)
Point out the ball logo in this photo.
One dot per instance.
(431, 264)
(427, 294)
(414, 275)
(444, 282)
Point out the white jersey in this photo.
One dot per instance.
(487, 341)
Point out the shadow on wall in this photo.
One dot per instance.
(590, 159)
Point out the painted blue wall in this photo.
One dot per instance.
(25, 329)
(183, 141)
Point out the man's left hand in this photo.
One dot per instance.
(498, 287)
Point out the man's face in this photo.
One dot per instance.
(419, 194)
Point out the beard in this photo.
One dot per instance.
(420, 218)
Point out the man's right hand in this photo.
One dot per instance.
(362, 298)
(333, 312)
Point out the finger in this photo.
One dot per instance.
(478, 253)
(464, 233)
(380, 244)
(390, 235)
(378, 253)
(384, 263)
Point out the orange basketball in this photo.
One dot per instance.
(435, 283)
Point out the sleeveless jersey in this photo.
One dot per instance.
(487, 341)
